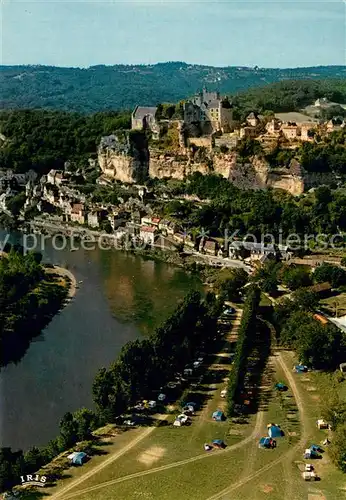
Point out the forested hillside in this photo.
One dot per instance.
(122, 87)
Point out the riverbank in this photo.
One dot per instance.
(36, 295)
(64, 273)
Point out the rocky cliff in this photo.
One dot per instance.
(256, 174)
(124, 157)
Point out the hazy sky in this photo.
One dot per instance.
(280, 33)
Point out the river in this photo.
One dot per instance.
(122, 297)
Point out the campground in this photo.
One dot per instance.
(168, 463)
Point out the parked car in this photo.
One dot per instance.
(129, 422)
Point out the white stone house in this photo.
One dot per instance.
(147, 234)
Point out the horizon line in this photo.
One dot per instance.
(236, 66)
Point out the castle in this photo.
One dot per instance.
(206, 110)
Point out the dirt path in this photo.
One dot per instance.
(108, 461)
(204, 456)
(217, 365)
(287, 456)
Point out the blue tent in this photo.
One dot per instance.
(265, 442)
(300, 368)
(274, 431)
(218, 415)
(280, 386)
(316, 448)
(78, 458)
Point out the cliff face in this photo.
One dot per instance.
(253, 175)
(124, 157)
(175, 167)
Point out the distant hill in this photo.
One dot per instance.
(101, 88)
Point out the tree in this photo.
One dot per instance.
(231, 285)
(338, 447)
(86, 421)
(16, 203)
(335, 275)
(68, 431)
(11, 468)
(34, 459)
(267, 276)
(305, 299)
(295, 277)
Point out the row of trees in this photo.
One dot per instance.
(145, 365)
(246, 334)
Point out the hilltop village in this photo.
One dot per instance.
(197, 136)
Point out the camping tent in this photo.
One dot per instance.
(280, 386)
(311, 453)
(218, 443)
(274, 431)
(77, 458)
(266, 442)
(218, 416)
(316, 448)
(300, 368)
(322, 424)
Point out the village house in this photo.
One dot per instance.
(273, 127)
(94, 218)
(147, 234)
(256, 251)
(52, 176)
(51, 194)
(150, 221)
(78, 213)
(208, 246)
(167, 227)
(146, 220)
(290, 130)
(334, 124)
(307, 131)
(208, 107)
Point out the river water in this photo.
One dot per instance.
(122, 297)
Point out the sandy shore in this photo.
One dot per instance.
(62, 271)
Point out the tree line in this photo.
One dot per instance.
(246, 334)
(143, 366)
